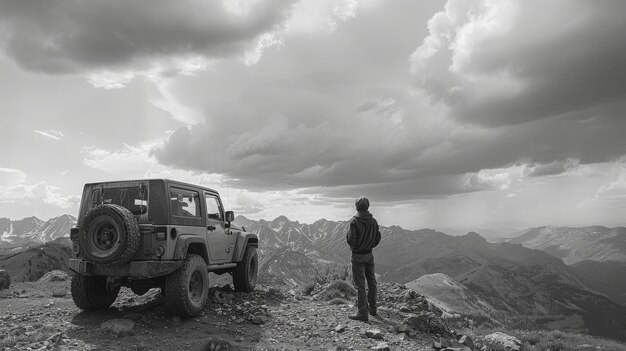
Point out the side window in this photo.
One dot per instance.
(185, 203)
(213, 208)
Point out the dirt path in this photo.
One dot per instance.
(267, 319)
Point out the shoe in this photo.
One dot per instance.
(359, 317)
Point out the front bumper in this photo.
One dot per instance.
(139, 269)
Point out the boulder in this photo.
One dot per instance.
(504, 341)
(428, 323)
(467, 341)
(59, 292)
(5, 279)
(55, 276)
(382, 347)
(374, 334)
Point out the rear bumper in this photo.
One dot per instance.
(139, 269)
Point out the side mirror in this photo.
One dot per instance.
(230, 216)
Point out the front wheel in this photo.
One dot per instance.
(90, 292)
(186, 289)
(244, 276)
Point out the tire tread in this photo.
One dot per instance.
(88, 295)
(241, 280)
(176, 284)
(131, 236)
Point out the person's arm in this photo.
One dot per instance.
(377, 239)
(351, 236)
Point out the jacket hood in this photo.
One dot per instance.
(363, 216)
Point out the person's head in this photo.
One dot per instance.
(362, 204)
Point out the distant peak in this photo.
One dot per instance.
(65, 216)
(473, 236)
(281, 218)
(30, 219)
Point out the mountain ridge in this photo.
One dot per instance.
(529, 285)
(32, 229)
(576, 244)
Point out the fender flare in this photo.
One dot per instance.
(183, 243)
(244, 240)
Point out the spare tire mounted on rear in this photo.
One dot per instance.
(109, 235)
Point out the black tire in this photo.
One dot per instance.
(245, 274)
(90, 294)
(187, 288)
(109, 235)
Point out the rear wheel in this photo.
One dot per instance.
(244, 276)
(186, 289)
(90, 292)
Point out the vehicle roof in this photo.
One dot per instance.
(165, 180)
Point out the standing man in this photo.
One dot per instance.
(362, 237)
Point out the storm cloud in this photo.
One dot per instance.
(122, 37)
(508, 62)
(324, 114)
(294, 104)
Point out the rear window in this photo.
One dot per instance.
(135, 199)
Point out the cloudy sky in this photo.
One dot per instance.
(443, 113)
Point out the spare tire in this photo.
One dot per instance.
(109, 235)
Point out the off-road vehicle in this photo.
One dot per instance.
(156, 233)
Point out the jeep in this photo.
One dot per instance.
(156, 233)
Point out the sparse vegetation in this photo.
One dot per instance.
(338, 289)
(471, 320)
(330, 272)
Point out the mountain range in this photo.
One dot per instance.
(526, 287)
(515, 284)
(572, 245)
(34, 230)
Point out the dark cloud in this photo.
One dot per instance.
(406, 190)
(321, 113)
(552, 168)
(502, 63)
(82, 37)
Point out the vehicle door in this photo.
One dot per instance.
(217, 236)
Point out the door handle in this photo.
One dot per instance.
(211, 228)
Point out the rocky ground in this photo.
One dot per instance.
(42, 316)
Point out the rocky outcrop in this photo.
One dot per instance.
(503, 341)
(55, 276)
(5, 279)
(428, 323)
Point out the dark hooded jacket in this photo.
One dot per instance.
(363, 234)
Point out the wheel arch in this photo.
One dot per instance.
(244, 240)
(191, 244)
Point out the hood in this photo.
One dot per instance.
(363, 216)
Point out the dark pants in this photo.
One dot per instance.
(363, 269)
